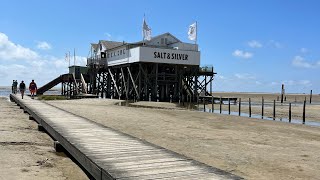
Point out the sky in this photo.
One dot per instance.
(254, 46)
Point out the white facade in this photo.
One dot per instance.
(164, 48)
(153, 55)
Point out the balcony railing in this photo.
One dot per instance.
(206, 69)
(97, 61)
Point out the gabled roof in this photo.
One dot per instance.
(110, 44)
(160, 36)
(165, 34)
(94, 46)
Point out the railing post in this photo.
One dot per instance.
(220, 104)
(229, 105)
(262, 107)
(289, 112)
(212, 104)
(304, 112)
(274, 109)
(249, 107)
(239, 106)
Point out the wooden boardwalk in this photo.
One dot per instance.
(109, 154)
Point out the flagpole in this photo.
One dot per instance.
(196, 32)
(69, 58)
(144, 18)
(74, 57)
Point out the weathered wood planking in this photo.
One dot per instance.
(109, 154)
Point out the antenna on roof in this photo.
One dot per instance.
(74, 57)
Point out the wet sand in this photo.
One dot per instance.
(251, 148)
(26, 153)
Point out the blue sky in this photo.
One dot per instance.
(255, 46)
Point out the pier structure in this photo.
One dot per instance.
(162, 69)
(108, 154)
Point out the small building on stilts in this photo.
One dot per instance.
(162, 69)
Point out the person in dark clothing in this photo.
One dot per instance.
(15, 86)
(32, 88)
(22, 88)
(12, 87)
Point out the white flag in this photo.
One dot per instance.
(146, 31)
(192, 33)
(66, 58)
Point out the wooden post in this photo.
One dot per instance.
(262, 107)
(239, 106)
(274, 109)
(304, 112)
(249, 107)
(229, 105)
(220, 104)
(204, 104)
(289, 112)
(310, 96)
(197, 100)
(282, 93)
(212, 104)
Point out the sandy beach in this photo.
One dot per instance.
(251, 148)
(27, 153)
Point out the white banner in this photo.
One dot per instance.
(192, 33)
(146, 31)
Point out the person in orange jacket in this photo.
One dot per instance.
(33, 88)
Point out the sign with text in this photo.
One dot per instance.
(169, 56)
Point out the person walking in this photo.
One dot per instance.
(15, 86)
(33, 88)
(22, 88)
(12, 87)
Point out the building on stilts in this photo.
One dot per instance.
(162, 69)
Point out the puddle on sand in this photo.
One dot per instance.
(129, 104)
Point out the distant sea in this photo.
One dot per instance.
(5, 91)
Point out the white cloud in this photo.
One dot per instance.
(305, 83)
(300, 62)
(304, 50)
(220, 77)
(242, 54)
(244, 76)
(108, 36)
(254, 44)
(275, 44)
(43, 45)
(12, 51)
(28, 64)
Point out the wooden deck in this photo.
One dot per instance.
(109, 154)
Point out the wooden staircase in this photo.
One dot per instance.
(56, 81)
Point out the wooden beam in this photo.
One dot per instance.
(114, 82)
(124, 82)
(134, 84)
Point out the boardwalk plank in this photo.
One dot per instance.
(109, 154)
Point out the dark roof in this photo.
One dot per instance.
(94, 46)
(152, 38)
(111, 44)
